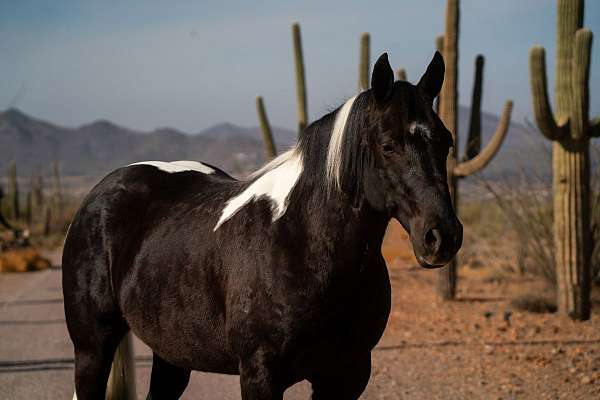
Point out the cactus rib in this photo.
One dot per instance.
(580, 77)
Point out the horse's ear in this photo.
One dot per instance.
(432, 79)
(382, 79)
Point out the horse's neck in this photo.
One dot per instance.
(340, 226)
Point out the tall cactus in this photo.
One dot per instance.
(570, 131)
(363, 65)
(300, 79)
(270, 149)
(475, 160)
(13, 191)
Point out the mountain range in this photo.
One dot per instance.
(101, 146)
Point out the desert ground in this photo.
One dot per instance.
(477, 347)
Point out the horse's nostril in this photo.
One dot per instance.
(433, 240)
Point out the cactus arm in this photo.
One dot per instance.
(401, 74)
(473, 145)
(266, 129)
(482, 159)
(541, 105)
(300, 79)
(595, 127)
(580, 93)
(363, 67)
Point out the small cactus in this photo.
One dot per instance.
(300, 79)
(270, 149)
(57, 188)
(29, 209)
(13, 191)
(37, 194)
(48, 221)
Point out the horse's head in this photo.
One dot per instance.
(409, 145)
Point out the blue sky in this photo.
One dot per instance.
(191, 64)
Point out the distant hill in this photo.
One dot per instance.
(101, 146)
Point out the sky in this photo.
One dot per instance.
(192, 64)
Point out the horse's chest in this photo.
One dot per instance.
(347, 321)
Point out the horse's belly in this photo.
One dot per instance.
(185, 344)
(179, 317)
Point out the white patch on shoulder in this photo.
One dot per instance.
(178, 166)
(334, 151)
(275, 181)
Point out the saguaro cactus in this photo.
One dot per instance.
(569, 130)
(363, 65)
(13, 190)
(37, 193)
(57, 192)
(475, 160)
(401, 74)
(300, 79)
(270, 149)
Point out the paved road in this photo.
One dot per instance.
(36, 355)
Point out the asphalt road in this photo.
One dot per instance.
(36, 355)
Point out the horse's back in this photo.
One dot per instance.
(130, 201)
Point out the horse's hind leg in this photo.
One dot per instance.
(167, 381)
(94, 321)
(93, 359)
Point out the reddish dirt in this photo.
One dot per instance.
(478, 347)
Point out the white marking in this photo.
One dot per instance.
(178, 166)
(421, 127)
(334, 152)
(74, 396)
(275, 181)
(412, 127)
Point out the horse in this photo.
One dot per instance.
(278, 278)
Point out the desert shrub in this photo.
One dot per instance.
(534, 303)
(527, 206)
(526, 203)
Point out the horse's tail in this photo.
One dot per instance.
(121, 382)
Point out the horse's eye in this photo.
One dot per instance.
(388, 148)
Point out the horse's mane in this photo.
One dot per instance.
(329, 156)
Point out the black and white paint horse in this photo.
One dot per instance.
(278, 278)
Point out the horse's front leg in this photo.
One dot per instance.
(259, 376)
(345, 382)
